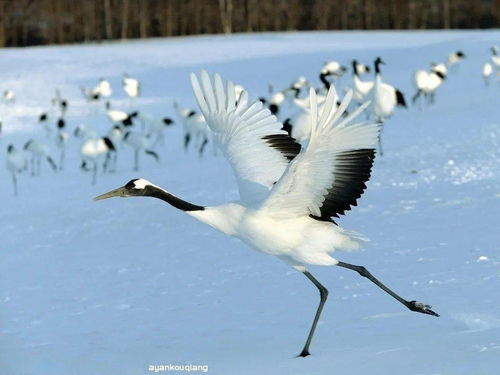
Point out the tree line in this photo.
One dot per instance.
(35, 22)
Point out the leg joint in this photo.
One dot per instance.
(323, 293)
(363, 271)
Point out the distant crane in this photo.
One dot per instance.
(288, 195)
(38, 151)
(384, 98)
(16, 163)
(131, 86)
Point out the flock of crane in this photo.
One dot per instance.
(144, 132)
(298, 158)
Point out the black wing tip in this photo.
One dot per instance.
(283, 143)
(350, 183)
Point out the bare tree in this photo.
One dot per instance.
(108, 19)
(226, 15)
(143, 18)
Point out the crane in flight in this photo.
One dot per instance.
(288, 195)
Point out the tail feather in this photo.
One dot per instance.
(400, 99)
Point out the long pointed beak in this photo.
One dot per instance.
(120, 192)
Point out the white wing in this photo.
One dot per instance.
(328, 176)
(250, 137)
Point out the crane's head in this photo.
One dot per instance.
(138, 187)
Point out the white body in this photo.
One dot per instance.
(131, 86)
(93, 149)
(454, 58)
(16, 161)
(487, 71)
(116, 116)
(104, 88)
(333, 68)
(195, 125)
(427, 82)
(361, 89)
(9, 97)
(496, 61)
(37, 149)
(383, 99)
(136, 140)
(283, 238)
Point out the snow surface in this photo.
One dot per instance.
(112, 287)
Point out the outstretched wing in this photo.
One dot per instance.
(250, 137)
(327, 178)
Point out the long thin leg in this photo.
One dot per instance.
(187, 139)
(106, 163)
(136, 159)
(114, 159)
(153, 154)
(323, 293)
(380, 141)
(94, 174)
(412, 305)
(61, 159)
(14, 180)
(415, 97)
(202, 146)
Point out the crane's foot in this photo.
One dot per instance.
(421, 308)
(304, 353)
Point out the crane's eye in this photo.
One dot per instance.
(131, 184)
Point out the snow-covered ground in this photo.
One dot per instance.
(115, 286)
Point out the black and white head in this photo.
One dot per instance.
(377, 63)
(274, 108)
(460, 54)
(138, 187)
(167, 121)
(61, 123)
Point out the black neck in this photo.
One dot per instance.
(355, 67)
(156, 192)
(323, 79)
(377, 67)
